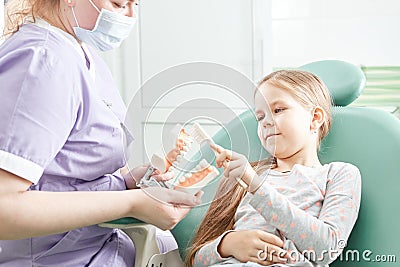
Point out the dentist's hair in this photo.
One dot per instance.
(17, 12)
(310, 92)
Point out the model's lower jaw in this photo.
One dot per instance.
(190, 181)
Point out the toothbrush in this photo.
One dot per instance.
(200, 135)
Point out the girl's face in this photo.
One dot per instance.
(87, 14)
(284, 125)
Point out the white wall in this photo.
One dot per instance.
(281, 33)
(250, 37)
(364, 32)
(175, 32)
(226, 33)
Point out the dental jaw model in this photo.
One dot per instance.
(190, 180)
(201, 137)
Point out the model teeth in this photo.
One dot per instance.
(204, 164)
(176, 165)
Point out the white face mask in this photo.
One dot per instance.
(110, 30)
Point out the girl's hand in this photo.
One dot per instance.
(237, 167)
(164, 207)
(253, 245)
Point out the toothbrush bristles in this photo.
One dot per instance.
(199, 134)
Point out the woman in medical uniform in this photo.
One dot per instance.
(61, 140)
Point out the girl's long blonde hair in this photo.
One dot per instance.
(18, 12)
(310, 91)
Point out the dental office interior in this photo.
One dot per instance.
(199, 61)
(244, 39)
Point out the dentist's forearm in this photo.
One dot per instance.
(36, 213)
(26, 214)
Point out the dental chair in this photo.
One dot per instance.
(366, 137)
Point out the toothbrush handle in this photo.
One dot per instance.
(242, 183)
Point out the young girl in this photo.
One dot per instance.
(292, 210)
(61, 140)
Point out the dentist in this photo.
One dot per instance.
(61, 139)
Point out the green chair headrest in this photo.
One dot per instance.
(344, 80)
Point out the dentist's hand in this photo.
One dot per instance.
(133, 177)
(164, 207)
(237, 167)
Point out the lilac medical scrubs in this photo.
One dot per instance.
(60, 128)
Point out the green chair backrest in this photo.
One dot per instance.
(366, 137)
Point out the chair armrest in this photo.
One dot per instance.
(143, 236)
(171, 258)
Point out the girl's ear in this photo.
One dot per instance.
(317, 118)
